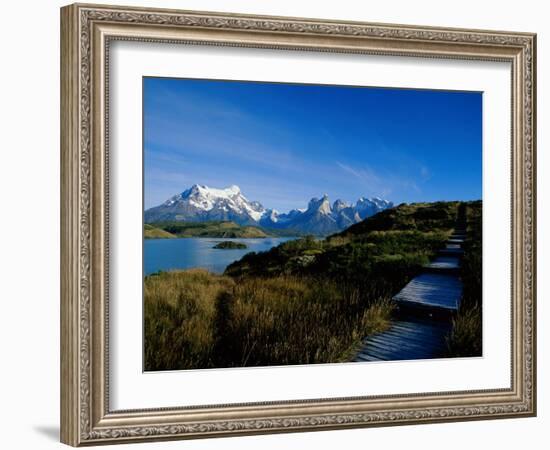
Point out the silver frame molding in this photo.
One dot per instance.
(86, 31)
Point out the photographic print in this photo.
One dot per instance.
(295, 224)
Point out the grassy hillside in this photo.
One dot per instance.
(151, 232)
(208, 229)
(305, 301)
(423, 217)
(394, 243)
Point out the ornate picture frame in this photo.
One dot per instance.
(87, 32)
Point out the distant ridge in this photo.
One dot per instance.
(201, 203)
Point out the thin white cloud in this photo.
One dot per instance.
(385, 183)
(365, 174)
(348, 169)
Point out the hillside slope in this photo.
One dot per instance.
(403, 237)
(218, 229)
(151, 232)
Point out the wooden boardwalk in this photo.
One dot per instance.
(406, 339)
(425, 307)
(444, 263)
(432, 290)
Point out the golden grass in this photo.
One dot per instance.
(465, 338)
(194, 319)
(180, 310)
(150, 232)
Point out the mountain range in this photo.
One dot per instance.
(201, 203)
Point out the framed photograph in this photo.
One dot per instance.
(276, 224)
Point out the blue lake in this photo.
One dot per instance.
(185, 253)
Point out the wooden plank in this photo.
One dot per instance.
(396, 355)
(415, 323)
(434, 331)
(431, 342)
(448, 270)
(393, 341)
(374, 347)
(437, 304)
(452, 246)
(373, 351)
(423, 336)
(392, 346)
(426, 342)
(430, 295)
(419, 327)
(451, 252)
(432, 283)
(454, 240)
(423, 289)
(366, 358)
(370, 350)
(437, 299)
(401, 355)
(444, 262)
(386, 343)
(419, 335)
(431, 289)
(406, 340)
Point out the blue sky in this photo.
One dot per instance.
(283, 144)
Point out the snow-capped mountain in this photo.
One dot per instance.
(202, 203)
(318, 218)
(366, 207)
(322, 218)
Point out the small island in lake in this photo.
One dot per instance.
(230, 245)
